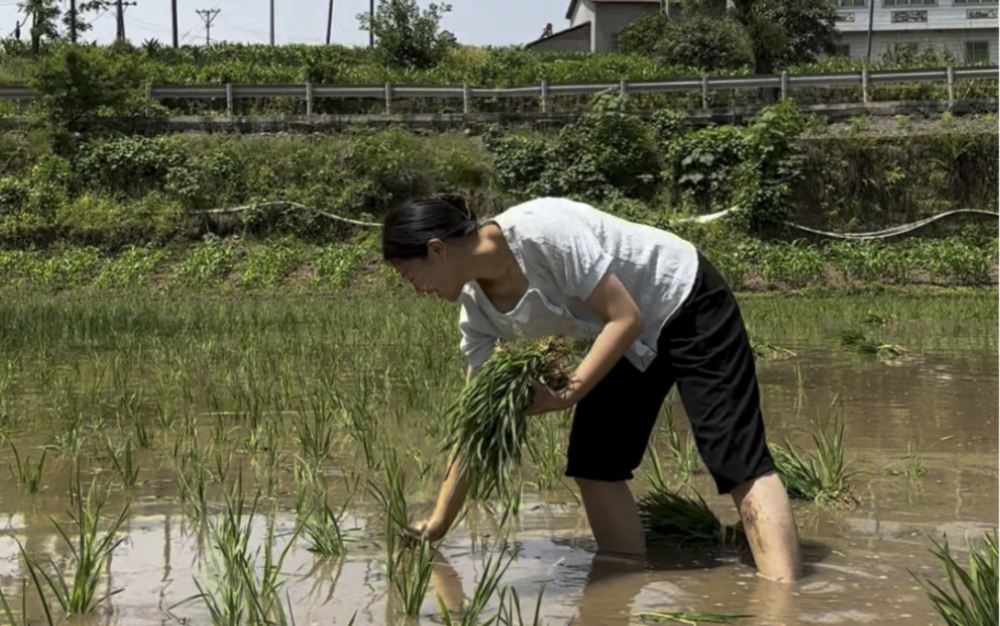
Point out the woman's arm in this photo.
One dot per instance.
(452, 495)
(622, 327)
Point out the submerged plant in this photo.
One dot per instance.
(488, 425)
(687, 617)
(971, 595)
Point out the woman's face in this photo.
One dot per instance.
(437, 274)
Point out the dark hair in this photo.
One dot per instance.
(410, 225)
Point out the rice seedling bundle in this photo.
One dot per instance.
(488, 424)
(671, 518)
(857, 341)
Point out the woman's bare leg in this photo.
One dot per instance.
(613, 516)
(771, 532)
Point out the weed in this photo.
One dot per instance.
(914, 466)
(977, 606)
(903, 121)
(27, 477)
(510, 608)
(947, 119)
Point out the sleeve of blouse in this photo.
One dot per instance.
(479, 334)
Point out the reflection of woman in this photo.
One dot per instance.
(658, 312)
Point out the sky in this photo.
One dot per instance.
(475, 22)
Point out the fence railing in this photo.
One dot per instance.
(786, 82)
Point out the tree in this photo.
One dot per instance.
(405, 37)
(82, 8)
(706, 43)
(786, 32)
(44, 16)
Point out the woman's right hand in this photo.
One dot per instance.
(433, 529)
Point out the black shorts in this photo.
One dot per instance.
(704, 348)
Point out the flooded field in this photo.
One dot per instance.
(166, 407)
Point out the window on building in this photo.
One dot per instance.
(975, 1)
(909, 3)
(614, 42)
(850, 4)
(977, 52)
(842, 50)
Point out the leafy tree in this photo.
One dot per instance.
(82, 9)
(786, 32)
(44, 21)
(405, 37)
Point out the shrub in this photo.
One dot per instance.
(13, 196)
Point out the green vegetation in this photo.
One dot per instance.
(857, 341)
(689, 617)
(970, 598)
(26, 476)
(823, 476)
(677, 520)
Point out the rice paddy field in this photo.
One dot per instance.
(251, 460)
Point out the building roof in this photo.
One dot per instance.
(573, 3)
(558, 33)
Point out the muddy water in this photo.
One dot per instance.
(941, 399)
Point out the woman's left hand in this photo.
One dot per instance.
(546, 400)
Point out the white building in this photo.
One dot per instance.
(967, 27)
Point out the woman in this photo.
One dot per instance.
(659, 314)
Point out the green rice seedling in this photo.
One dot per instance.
(90, 554)
(489, 581)
(764, 350)
(315, 431)
(9, 614)
(913, 464)
(685, 454)
(27, 477)
(510, 608)
(323, 532)
(688, 617)
(857, 341)
(392, 497)
(547, 454)
(124, 464)
(873, 318)
(337, 264)
(823, 476)
(970, 598)
(677, 520)
(266, 264)
(409, 570)
(488, 425)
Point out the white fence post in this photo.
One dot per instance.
(951, 87)
(864, 85)
(388, 98)
(784, 85)
(309, 98)
(466, 98)
(545, 96)
(704, 92)
(229, 98)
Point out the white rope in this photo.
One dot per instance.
(700, 219)
(296, 205)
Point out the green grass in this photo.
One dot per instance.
(488, 424)
(689, 617)
(968, 597)
(684, 452)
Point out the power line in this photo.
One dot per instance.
(208, 16)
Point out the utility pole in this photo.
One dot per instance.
(72, 21)
(208, 15)
(173, 19)
(272, 23)
(871, 16)
(120, 34)
(371, 24)
(329, 23)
